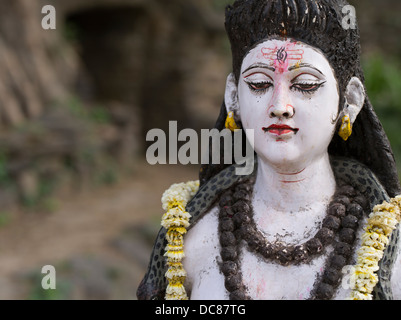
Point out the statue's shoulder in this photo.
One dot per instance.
(360, 177)
(364, 180)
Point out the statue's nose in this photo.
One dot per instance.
(282, 111)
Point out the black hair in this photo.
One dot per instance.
(318, 23)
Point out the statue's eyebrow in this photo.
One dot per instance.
(304, 65)
(260, 65)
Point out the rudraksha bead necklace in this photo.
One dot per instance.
(236, 224)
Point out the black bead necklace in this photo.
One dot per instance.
(236, 224)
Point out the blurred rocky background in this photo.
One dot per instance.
(75, 106)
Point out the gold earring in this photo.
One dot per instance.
(230, 122)
(346, 128)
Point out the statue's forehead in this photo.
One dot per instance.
(273, 48)
(282, 53)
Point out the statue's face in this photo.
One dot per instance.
(288, 94)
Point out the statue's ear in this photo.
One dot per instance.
(354, 98)
(231, 95)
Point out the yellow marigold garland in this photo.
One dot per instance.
(380, 225)
(176, 221)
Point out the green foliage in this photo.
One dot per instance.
(96, 114)
(63, 285)
(220, 5)
(383, 85)
(108, 176)
(4, 218)
(4, 177)
(71, 32)
(42, 199)
(62, 291)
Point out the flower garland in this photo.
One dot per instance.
(380, 225)
(176, 221)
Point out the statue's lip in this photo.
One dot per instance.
(280, 129)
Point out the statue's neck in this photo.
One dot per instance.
(292, 187)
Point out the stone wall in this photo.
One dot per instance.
(84, 95)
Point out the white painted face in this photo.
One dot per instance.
(288, 93)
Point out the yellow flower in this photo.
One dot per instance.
(365, 278)
(375, 240)
(381, 223)
(174, 264)
(179, 194)
(369, 253)
(176, 297)
(397, 203)
(176, 212)
(175, 255)
(172, 247)
(176, 272)
(384, 222)
(176, 220)
(385, 206)
(176, 289)
(174, 231)
(356, 295)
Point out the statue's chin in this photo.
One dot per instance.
(289, 162)
(283, 157)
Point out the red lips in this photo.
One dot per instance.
(280, 129)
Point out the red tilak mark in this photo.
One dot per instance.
(291, 54)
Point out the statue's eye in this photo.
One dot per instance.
(260, 86)
(307, 87)
(259, 82)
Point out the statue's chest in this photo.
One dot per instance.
(263, 279)
(266, 280)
